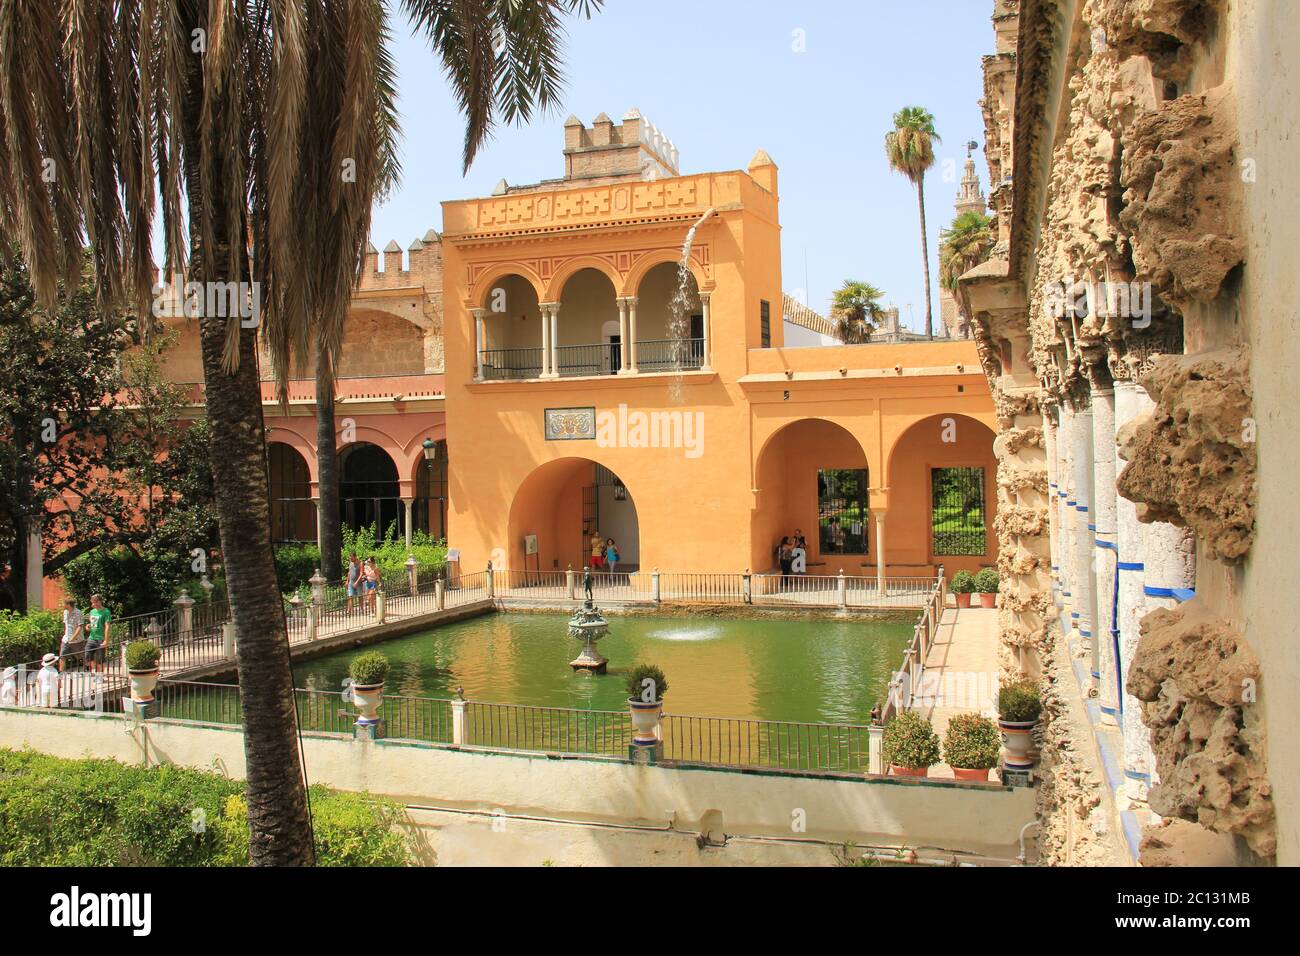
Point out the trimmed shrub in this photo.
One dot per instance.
(390, 553)
(963, 582)
(910, 741)
(986, 582)
(635, 686)
(141, 656)
(26, 638)
(369, 668)
(134, 583)
(295, 564)
(56, 812)
(1019, 702)
(972, 742)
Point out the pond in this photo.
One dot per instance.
(790, 669)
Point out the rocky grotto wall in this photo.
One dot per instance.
(1109, 334)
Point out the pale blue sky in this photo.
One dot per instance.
(722, 79)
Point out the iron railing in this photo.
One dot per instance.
(905, 683)
(667, 355)
(511, 363)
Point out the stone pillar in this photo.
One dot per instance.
(545, 308)
(185, 614)
(707, 364)
(35, 565)
(409, 504)
(228, 640)
(1065, 513)
(1130, 401)
(555, 340)
(842, 590)
(1053, 510)
(631, 333)
(1105, 633)
(625, 346)
(880, 553)
(875, 748)
(440, 594)
(458, 705)
(315, 505)
(412, 574)
(1081, 469)
(478, 342)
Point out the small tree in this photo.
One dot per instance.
(637, 688)
(856, 311)
(910, 741)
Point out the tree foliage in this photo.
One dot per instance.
(856, 311)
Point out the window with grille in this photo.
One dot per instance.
(957, 511)
(765, 323)
(842, 510)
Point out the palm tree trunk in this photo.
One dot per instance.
(327, 471)
(925, 258)
(279, 825)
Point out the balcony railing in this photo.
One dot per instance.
(655, 355)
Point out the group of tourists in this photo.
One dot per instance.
(604, 553)
(788, 550)
(84, 635)
(362, 582)
(82, 644)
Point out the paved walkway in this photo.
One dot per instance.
(961, 670)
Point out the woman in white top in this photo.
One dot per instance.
(73, 626)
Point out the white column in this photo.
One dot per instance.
(546, 339)
(631, 332)
(409, 503)
(1083, 547)
(555, 339)
(708, 334)
(1130, 401)
(880, 553)
(1065, 512)
(35, 565)
(625, 347)
(478, 342)
(1105, 634)
(315, 504)
(1053, 511)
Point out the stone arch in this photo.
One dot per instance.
(512, 327)
(588, 299)
(788, 474)
(289, 473)
(482, 287)
(657, 257)
(554, 504)
(571, 267)
(304, 445)
(655, 291)
(370, 486)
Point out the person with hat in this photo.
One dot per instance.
(9, 687)
(47, 682)
(74, 626)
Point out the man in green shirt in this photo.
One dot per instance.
(98, 619)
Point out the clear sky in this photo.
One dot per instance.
(813, 83)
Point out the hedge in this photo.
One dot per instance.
(26, 638)
(56, 812)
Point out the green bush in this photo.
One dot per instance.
(141, 656)
(986, 582)
(369, 668)
(972, 742)
(133, 583)
(295, 564)
(26, 638)
(1019, 702)
(910, 741)
(56, 812)
(963, 582)
(391, 552)
(639, 673)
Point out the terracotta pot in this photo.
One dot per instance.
(1018, 739)
(645, 720)
(143, 683)
(963, 598)
(962, 773)
(898, 771)
(988, 599)
(368, 698)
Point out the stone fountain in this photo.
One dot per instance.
(588, 626)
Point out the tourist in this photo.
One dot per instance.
(354, 579)
(784, 556)
(73, 626)
(611, 556)
(47, 682)
(799, 553)
(837, 536)
(799, 540)
(97, 633)
(371, 573)
(9, 688)
(597, 549)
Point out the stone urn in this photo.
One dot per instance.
(1018, 739)
(645, 720)
(588, 626)
(142, 684)
(368, 698)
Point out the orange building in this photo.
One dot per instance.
(592, 384)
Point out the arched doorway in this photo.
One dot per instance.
(368, 489)
(429, 513)
(664, 341)
(943, 494)
(814, 479)
(293, 516)
(512, 329)
(588, 307)
(560, 506)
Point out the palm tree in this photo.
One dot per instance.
(856, 311)
(266, 128)
(909, 146)
(963, 245)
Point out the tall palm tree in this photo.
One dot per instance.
(964, 245)
(856, 311)
(909, 147)
(266, 128)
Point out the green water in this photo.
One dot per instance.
(771, 669)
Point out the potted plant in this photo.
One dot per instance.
(971, 746)
(986, 585)
(368, 671)
(961, 586)
(1019, 705)
(911, 747)
(142, 668)
(646, 686)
